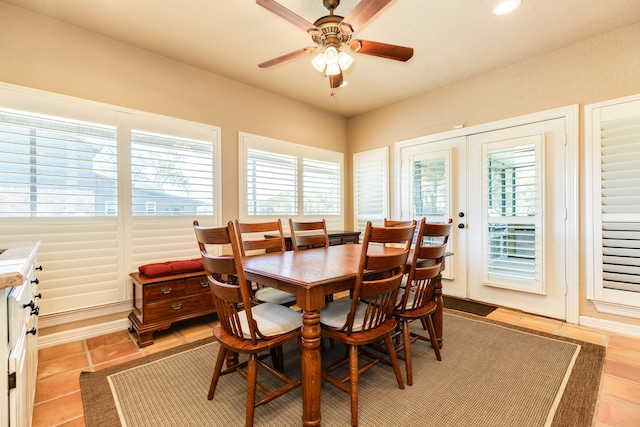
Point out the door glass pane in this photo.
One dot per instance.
(513, 201)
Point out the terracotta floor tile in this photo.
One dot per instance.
(617, 413)
(624, 341)
(57, 366)
(621, 389)
(584, 334)
(623, 370)
(57, 385)
(506, 316)
(114, 351)
(109, 339)
(623, 355)
(540, 324)
(57, 411)
(60, 351)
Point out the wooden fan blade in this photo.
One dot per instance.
(383, 50)
(363, 11)
(285, 13)
(336, 80)
(287, 57)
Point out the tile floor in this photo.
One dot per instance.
(58, 401)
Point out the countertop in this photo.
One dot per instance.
(15, 261)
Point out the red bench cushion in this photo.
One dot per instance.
(171, 267)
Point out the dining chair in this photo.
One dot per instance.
(252, 237)
(367, 316)
(309, 234)
(416, 301)
(244, 328)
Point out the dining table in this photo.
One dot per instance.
(311, 275)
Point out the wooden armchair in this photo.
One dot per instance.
(367, 317)
(243, 328)
(417, 299)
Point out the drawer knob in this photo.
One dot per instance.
(32, 331)
(39, 295)
(166, 290)
(31, 304)
(36, 281)
(35, 311)
(176, 305)
(204, 283)
(39, 268)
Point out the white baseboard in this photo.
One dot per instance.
(82, 333)
(63, 318)
(610, 326)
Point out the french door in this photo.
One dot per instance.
(506, 191)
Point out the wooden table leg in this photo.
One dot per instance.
(437, 317)
(311, 366)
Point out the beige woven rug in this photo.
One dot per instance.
(491, 375)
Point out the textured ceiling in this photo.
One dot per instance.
(453, 40)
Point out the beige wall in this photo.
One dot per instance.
(598, 69)
(44, 54)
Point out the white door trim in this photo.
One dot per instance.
(570, 114)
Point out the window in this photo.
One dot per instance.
(371, 187)
(171, 176)
(104, 189)
(285, 180)
(56, 167)
(613, 150)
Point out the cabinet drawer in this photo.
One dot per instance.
(170, 309)
(197, 285)
(165, 290)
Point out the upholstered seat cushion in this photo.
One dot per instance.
(274, 295)
(272, 319)
(335, 314)
(171, 267)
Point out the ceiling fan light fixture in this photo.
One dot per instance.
(506, 6)
(318, 63)
(344, 61)
(332, 70)
(331, 55)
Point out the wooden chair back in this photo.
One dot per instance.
(250, 242)
(226, 278)
(379, 274)
(425, 267)
(398, 223)
(308, 235)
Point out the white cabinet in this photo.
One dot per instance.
(19, 345)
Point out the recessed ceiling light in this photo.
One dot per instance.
(506, 6)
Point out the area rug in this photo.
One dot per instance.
(467, 306)
(491, 374)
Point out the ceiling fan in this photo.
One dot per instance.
(333, 33)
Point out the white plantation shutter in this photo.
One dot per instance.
(513, 208)
(620, 200)
(283, 180)
(371, 187)
(55, 167)
(272, 184)
(171, 176)
(430, 190)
